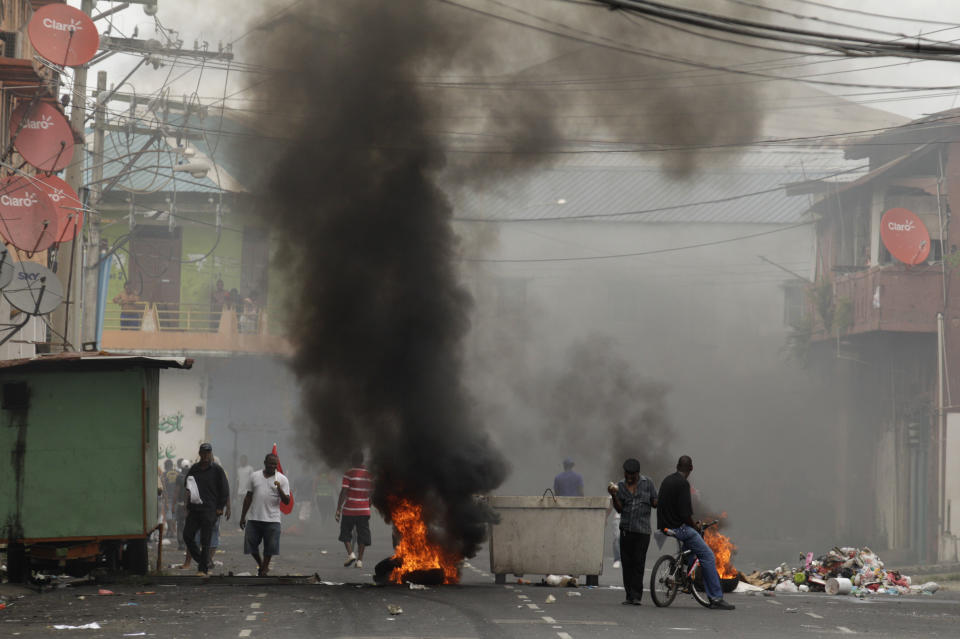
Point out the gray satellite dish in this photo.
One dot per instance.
(35, 289)
(6, 267)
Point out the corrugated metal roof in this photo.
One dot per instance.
(61, 361)
(750, 191)
(154, 170)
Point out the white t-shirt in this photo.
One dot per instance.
(243, 479)
(266, 502)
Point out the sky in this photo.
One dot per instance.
(226, 21)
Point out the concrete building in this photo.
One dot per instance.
(887, 333)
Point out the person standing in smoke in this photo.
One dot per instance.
(568, 483)
(353, 509)
(265, 489)
(204, 506)
(633, 498)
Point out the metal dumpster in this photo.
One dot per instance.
(80, 434)
(548, 536)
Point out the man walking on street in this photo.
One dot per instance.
(633, 498)
(207, 493)
(675, 513)
(568, 483)
(353, 509)
(264, 491)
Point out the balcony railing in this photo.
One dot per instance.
(159, 327)
(892, 298)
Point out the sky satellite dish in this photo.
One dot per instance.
(63, 35)
(34, 290)
(42, 135)
(28, 219)
(6, 267)
(67, 204)
(905, 236)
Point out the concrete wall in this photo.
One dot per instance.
(183, 424)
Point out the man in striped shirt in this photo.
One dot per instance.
(353, 509)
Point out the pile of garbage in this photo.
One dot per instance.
(841, 571)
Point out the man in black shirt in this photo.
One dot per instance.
(675, 512)
(213, 492)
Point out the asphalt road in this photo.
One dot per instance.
(344, 604)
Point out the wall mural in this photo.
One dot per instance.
(171, 423)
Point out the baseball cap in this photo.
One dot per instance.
(205, 447)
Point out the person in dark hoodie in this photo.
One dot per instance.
(203, 508)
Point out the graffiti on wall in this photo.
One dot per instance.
(171, 423)
(167, 452)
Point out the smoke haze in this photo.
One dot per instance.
(374, 106)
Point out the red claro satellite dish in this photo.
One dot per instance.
(63, 35)
(45, 139)
(905, 236)
(67, 204)
(28, 219)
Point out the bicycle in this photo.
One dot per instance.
(671, 575)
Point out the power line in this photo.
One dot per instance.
(615, 256)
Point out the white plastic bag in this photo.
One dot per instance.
(194, 491)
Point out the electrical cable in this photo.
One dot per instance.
(589, 258)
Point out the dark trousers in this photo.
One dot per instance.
(633, 559)
(202, 520)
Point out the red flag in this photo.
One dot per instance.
(286, 509)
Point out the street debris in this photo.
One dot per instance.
(551, 599)
(414, 586)
(93, 625)
(559, 580)
(394, 609)
(104, 591)
(841, 571)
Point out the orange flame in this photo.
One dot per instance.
(723, 550)
(415, 550)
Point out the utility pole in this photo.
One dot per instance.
(69, 255)
(91, 279)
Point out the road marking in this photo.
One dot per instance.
(533, 606)
(549, 619)
(775, 603)
(522, 597)
(251, 617)
(565, 622)
(255, 604)
(261, 594)
(846, 630)
(509, 587)
(564, 635)
(815, 615)
(244, 633)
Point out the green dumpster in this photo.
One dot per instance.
(80, 434)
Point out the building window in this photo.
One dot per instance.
(794, 302)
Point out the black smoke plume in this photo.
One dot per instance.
(360, 121)
(602, 399)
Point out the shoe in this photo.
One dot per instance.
(616, 564)
(352, 557)
(720, 604)
(203, 574)
(631, 602)
(359, 563)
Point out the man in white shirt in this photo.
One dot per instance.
(265, 490)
